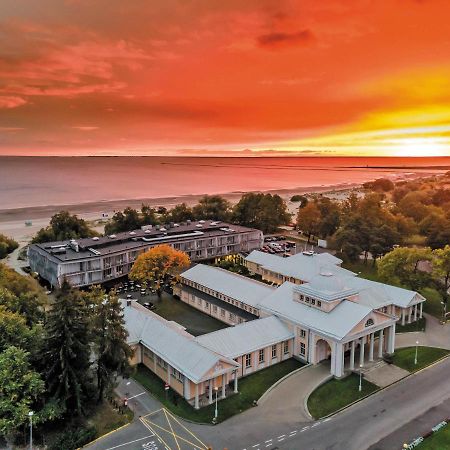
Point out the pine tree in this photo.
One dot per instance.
(112, 350)
(67, 350)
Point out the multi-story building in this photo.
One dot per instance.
(96, 260)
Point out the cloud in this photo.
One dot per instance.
(85, 128)
(280, 39)
(9, 102)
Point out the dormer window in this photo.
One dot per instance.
(307, 299)
(313, 301)
(319, 303)
(369, 322)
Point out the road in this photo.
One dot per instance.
(375, 422)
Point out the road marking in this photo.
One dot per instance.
(292, 433)
(189, 431)
(159, 437)
(269, 440)
(131, 442)
(256, 445)
(316, 424)
(303, 429)
(268, 445)
(281, 440)
(283, 435)
(171, 429)
(326, 420)
(134, 396)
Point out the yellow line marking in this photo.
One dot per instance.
(152, 413)
(189, 431)
(152, 424)
(153, 431)
(170, 425)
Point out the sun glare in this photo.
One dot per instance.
(420, 147)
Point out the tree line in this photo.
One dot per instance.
(58, 361)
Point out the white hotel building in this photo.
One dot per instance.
(334, 315)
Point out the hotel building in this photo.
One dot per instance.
(96, 260)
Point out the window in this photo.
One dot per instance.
(307, 299)
(214, 308)
(261, 356)
(248, 360)
(313, 301)
(174, 372)
(199, 301)
(319, 303)
(302, 333)
(232, 317)
(301, 297)
(302, 348)
(222, 312)
(274, 351)
(239, 319)
(369, 322)
(206, 305)
(286, 347)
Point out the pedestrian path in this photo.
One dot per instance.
(435, 335)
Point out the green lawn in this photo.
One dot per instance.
(437, 441)
(419, 325)
(367, 271)
(404, 357)
(433, 304)
(195, 321)
(335, 394)
(250, 388)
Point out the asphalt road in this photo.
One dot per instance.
(382, 422)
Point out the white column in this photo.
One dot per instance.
(352, 356)
(223, 386)
(409, 314)
(421, 310)
(196, 406)
(336, 360)
(403, 316)
(391, 339)
(210, 399)
(312, 349)
(372, 342)
(235, 382)
(380, 344)
(415, 313)
(361, 353)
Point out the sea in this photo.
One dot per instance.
(43, 181)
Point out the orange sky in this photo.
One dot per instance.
(253, 77)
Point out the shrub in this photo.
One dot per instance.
(74, 438)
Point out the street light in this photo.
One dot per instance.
(415, 358)
(444, 304)
(30, 415)
(360, 377)
(216, 412)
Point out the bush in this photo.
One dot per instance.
(73, 439)
(7, 245)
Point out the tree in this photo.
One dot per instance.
(265, 212)
(20, 387)
(7, 245)
(14, 331)
(67, 350)
(180, 213)
(309, 219)
(212, 207)
(111, 348)
(123, 221)
(441, 268)
(149, 214)
(64, 226)
(380, 185)
(300, 198)
(438, 234)
(330, 216)
(159, 265)
(401, 267)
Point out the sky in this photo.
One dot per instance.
(233, 78)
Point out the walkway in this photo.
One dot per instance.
(435, 335)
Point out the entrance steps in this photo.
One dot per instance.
(370, 367)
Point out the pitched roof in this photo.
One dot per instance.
(300, 266)
(336, 323)
(246, 337)
(228, 283)
(170, 342)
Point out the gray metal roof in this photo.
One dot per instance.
(170, 342)
(327, 286)
(299, 266)
(247, 337)
(228, 283)
(336, 323)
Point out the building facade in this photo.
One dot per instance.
(96, 260)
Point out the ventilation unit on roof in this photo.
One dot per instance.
(146, 227)
(308, 253)
(112, 236)
(95, 252)
(199, 225)
(132, 233)
(188, 222)
(147, 231)
(176, 224)
(95, 238)
(162, 229)
(201, 221)
(74, 245)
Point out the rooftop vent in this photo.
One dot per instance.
(132, 233)
(162, 229)
(188, 222)
(308, 253)
(201, 221)
(199, 225)
(176, 224)
(112, 236)
(95, 238)
(147, 231)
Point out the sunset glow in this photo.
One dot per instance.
(227, 78)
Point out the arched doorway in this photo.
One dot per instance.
(323, 350)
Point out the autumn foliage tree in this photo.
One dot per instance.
(159, 265)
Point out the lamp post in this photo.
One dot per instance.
(444, 304)
(30, 415)
(415, 357)
(216, 412)
(360, 377)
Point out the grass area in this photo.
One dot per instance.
(367, 271)
(433, 304)
(419, 325)
(194, 320)
(250, 389)
(335, 394)
(437, 441)
(106, 418)
(404, 357)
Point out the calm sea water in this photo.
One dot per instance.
(29, 181)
